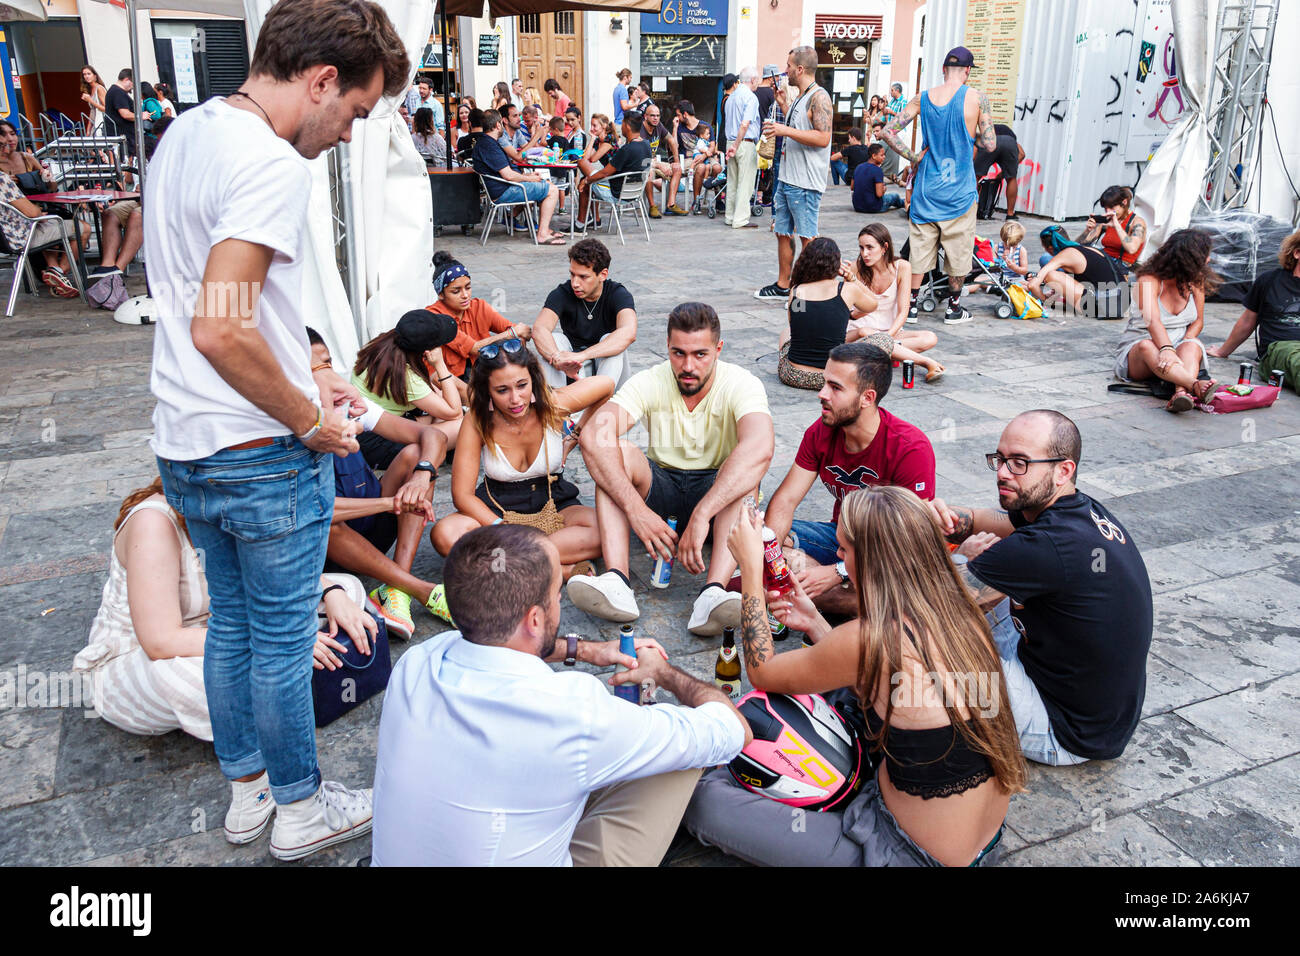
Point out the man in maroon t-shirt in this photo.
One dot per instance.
(854, 444)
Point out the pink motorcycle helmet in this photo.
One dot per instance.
(804, 754)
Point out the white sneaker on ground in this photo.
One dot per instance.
(714, 609)
(605, 596)
(251, 806)
(333, 814)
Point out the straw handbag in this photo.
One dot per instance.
(548, 520)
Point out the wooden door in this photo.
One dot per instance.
(550, 47)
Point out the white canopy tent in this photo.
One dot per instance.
(387, 213)
(12, 10)
(1171, 185)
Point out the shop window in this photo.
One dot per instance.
(530, 23)
(564, 23)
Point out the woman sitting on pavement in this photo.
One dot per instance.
(920, 663)
(515, 426)
(820, 307)
(889, 279)
(1077, 271)
(477, 323)
(1166, 315)
(146, 644)
(404, 373)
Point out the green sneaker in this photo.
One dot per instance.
(437, 604)
(394, 606)
(655, 213)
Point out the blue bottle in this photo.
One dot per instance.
(630, 691)
(663, 571)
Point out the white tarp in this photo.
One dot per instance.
(1173, 181)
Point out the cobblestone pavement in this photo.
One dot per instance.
(1210, 778)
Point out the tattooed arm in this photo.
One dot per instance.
(958, 524)
(1133, 239)
(819, 115)
(986, 137)
(900, 122)
(984, 595)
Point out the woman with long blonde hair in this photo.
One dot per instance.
(920, 662)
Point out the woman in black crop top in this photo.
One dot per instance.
(819, 310)
(920, 663)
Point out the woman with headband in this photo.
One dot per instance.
(477, 323)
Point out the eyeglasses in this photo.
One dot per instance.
(1017, 466)
(492, 351)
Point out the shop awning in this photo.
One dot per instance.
(12, 10)
(514, 8)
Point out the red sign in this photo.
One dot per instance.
(848, 27)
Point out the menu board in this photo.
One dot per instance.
(993, 32)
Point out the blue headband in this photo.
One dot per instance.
(449, 274)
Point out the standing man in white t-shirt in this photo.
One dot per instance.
(240, 433)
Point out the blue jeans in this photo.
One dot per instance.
(1037, 740)
(839, 172)
(534, 192)
(794, 210)
(891, 201)
(816, 539)
(260, 519)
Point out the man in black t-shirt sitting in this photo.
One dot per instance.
(632, 157)
(845, 160)
(1272, 312)
(596, 318)
(1075, 632)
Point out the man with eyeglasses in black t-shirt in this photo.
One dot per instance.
(1070, 595)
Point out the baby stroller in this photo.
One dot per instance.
(990, 268)
(713, 196)
(934, 285)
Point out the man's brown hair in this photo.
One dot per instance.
(354, 36)
(695, 317)
(494, 576)
(1290, 249)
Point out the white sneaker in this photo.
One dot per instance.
(333, 814)
(605, 596)
(251, 806)
(714, 609)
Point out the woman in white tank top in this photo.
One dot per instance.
(889, 280)
(1166, 315)
(514, 430)
(145, 653)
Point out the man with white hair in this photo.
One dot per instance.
(742, 129)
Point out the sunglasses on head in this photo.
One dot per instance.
(492, 351)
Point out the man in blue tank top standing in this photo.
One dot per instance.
(954, 118)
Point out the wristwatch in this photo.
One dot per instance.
(427, 466)
(571, 654)
(842, 570)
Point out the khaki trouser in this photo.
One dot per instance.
(742, 174)
(957, 236)
(632, 823)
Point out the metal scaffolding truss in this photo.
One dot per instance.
(1244, 45)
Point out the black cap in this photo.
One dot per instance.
(729, 81)
(420, 330)
(959, 56)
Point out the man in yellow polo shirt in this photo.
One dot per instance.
(711, 442)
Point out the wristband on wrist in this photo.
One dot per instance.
(332, 587)
(1169, 347)
(311, 432)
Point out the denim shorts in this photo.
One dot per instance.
(1037, 739)
(601, 191)
(816, 539)
(794, 210)
(534, 192)
(674, 493)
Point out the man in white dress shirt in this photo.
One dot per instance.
(487, 756)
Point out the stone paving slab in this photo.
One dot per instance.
(1211, 776)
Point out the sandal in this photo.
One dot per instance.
(1181, 402)
(935, 374)
(554, 239)
(1203, 390)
